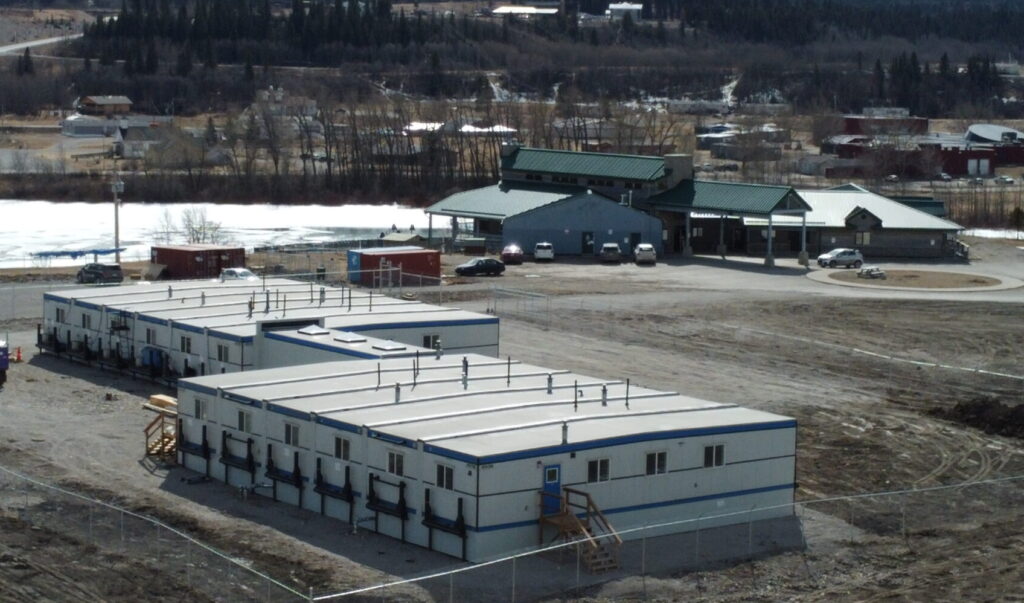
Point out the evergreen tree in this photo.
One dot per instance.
(184, 64)
(27, 68)
(152, 60)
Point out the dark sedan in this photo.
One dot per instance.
(100, 273)
(478, 266)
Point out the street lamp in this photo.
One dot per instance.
(117, 187)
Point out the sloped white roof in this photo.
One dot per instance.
(830, 208)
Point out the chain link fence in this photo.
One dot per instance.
(127, 541)
(658, 565)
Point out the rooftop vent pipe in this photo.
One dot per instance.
(202, 298)
(266, 306)
(323, 295)
(398, 393)
(170, 292)
(465, 365)
(437, 349)
(604, 395)
(551, 382)
(565, 433)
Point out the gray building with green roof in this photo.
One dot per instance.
(577, 201)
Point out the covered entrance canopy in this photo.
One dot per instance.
(733, 199)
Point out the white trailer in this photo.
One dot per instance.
(477, 457)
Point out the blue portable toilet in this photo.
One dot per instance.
(5, 361)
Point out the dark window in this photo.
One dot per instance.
(656, 463)
(597, 471)
(714, 456)
(395, 463)
(445, 477)
(341, 448)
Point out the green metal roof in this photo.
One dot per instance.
(502, 200)
(728, 197)
(573, 163)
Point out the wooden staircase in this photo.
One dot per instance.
(162, 437)
(580, 520)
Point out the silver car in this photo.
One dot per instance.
(841, 257)
(645, 254)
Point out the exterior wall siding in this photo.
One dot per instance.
(564, 223)
(884, 243)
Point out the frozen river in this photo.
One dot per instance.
(28, 227)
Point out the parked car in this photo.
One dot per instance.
(841, 257)
(977, 181)
(100, 273)
(544, 252)
(943, 176)
(1004, 180)
(237, 274)
(512, 254)
(610, 252)
(478, 266)
(892, 178)
(645, 254)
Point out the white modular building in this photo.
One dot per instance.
(168, 330)
(479, 457)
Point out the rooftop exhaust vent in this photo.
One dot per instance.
(346, 337)
(313, 330)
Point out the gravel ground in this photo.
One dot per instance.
(728, 332)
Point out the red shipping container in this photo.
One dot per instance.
(196, 261)
(413, 263)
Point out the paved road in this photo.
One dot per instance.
(20, 46)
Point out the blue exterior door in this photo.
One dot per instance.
(553, 487)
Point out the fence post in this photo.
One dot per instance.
(577, 570)
(451, 587)
(643, 561)
(513, 580)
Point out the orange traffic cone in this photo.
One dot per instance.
(17, 354)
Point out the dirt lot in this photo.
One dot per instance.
(769, 339)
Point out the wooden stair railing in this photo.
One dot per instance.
(580, 519)
(161, 437)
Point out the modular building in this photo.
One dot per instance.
(478, 457)
(202, 327)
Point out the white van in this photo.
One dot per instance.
(544, 252)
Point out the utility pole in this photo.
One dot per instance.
(117, 186)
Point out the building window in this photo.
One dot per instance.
(150, 335)
(291, 434)
(244, 421)
(186, 344)
(60, 314)
(697, 231)
(714, 456)
(222, 352)
(656, 462)
(863, 238)
(536, 177)
(431, 341)
(395, 463)
(86, 321)
(200, 409)
(445, 477)
(597, 471)
(341, 448)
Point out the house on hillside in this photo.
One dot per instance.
(107, 106)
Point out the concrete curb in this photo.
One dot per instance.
(1005, 282)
